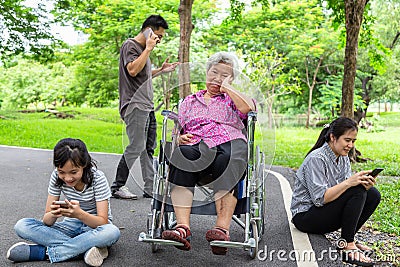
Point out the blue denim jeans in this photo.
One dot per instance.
(66, 239)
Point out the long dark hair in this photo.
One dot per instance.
(76, 151)
(337, 127)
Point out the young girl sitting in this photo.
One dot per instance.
(87, 226)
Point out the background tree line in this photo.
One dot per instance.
(292, 51)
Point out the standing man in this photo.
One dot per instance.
(136, 103)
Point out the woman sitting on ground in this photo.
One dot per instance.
(327, 197)
(212, 142)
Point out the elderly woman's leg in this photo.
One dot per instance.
(182, 199)
(225, 204)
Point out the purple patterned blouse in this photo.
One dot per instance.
(216, 123)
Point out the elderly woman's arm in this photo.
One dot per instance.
(243, 103)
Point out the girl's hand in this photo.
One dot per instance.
(362, 178)
(55, 210)
(73, 210)
(185, 139)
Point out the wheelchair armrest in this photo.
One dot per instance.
(170, 115)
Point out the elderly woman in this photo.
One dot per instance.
(212, 142)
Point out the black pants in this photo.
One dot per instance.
(226, 163)
(348, 212)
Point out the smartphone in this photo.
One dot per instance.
(62, 204)
(375, 172)
(147, 33)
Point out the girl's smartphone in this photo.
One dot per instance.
(375, 172)
(62, 204)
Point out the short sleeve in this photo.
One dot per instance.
(129, 53)
(241, 115)
(101, 188)
(184, 110)
(53, 189)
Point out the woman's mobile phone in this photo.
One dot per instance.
(375, 172)
(62, 203)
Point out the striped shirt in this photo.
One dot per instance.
(98, 191)
(215, 122)
(320, 170)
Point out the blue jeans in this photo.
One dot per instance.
(67, 239)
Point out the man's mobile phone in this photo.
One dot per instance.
(147, 33)
(375, 172)
(62, 203)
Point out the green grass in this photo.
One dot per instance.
(103, 131)
(381, 148)
(387, 217)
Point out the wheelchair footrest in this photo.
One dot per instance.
(143, 237)
(230, 244)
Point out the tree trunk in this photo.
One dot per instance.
(361, 112)
(311, 89)
(186, 27)
(354, 14)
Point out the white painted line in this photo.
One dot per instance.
(26, 148)
(43, 149)
(301, 242)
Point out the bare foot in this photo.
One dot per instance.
(362, 247)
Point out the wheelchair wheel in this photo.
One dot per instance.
(260, 191)
(261, 176)
(254, 234)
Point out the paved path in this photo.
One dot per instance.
(24, 175)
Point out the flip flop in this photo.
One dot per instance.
(218, 234)
(349, 256)
(180, 234)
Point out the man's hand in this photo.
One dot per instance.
(168, 67)
(152, 41)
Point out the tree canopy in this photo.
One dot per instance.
(293, 51)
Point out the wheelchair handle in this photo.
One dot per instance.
(252, 114)
(170, 115)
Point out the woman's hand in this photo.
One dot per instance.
(226, 84)
(185, 139)
(369, 181)
(362, 178)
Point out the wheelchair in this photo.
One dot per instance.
(250, 208)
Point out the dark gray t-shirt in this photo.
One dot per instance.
(134, 92)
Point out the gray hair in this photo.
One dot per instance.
(227, 58)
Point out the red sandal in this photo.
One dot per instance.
(180, 234)
(218, 234)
